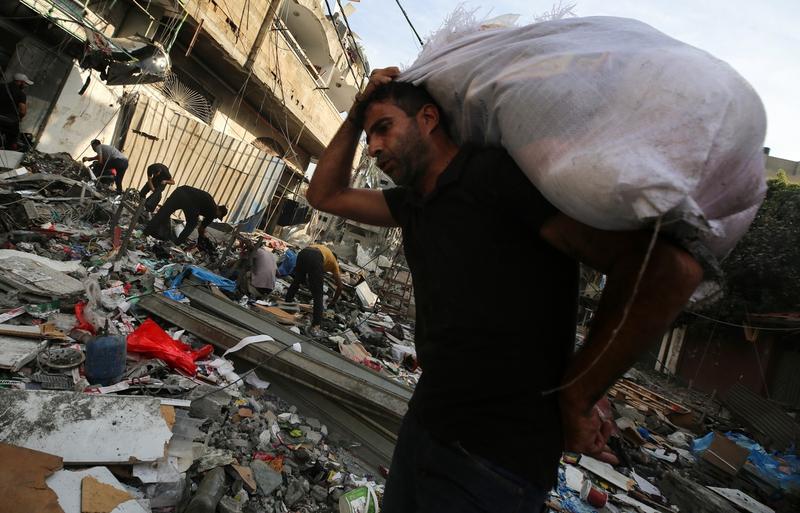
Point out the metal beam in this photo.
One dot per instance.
(222, 307)
(298, 367)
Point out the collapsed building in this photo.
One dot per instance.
(221, 402)
(237, 98)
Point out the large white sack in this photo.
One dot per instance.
(615, 122)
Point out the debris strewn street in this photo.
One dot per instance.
(547, 266)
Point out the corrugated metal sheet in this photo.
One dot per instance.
(771, 426)
(234, 172)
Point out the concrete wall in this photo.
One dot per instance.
(276, 66)
(77, 119)
(719, 357)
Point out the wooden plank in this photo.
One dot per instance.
(279, 315)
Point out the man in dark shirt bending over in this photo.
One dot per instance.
(194, 203)
(492, 442)
(158, 177)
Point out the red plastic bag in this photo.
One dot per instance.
(154, 342)
(83, 324)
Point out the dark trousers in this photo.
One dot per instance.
(9, 133)
(429, 476)
(309, 270)
(151, 203)
(105, 171)
(160, 227)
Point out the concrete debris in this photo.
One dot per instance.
(84, 428)
(267, 479)
(192, 425)
(16, 352)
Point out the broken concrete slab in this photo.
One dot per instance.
(208, 494)
(13, 173)
(16, 352)
(83, 428)
(29, 276)
(74, 188)
(266, 478)
(68, 485)
(214, 458)
(24, 488)
(70, 266)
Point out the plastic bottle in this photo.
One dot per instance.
(105, 359)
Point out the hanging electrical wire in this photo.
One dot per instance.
(353, 38)
(409, 23)
(344, 50)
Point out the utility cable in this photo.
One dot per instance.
(352, 36)
(344, 50)
(405, 14)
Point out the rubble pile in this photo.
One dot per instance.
(675, 458)
(142, 374)
(100, 396)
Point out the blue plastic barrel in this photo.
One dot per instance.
(105, 360)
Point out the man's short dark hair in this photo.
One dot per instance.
(408, 97)
(94, 142)
(223, 211)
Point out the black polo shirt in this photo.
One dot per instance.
(495, 312)
(194, 202)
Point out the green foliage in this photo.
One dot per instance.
(762, 274)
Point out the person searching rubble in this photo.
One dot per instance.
(498, 400)
(312, 263)
(194, 203)
(257, 269)
(158, 177)
(13, 108)
(110, 164)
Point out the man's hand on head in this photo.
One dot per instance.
(377, 78)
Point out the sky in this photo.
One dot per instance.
(760, 39)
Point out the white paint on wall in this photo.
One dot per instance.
(77, 119)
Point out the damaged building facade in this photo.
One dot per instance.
(238, 98)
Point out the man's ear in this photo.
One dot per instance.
(428, 118)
